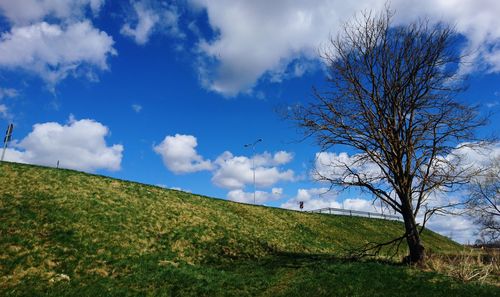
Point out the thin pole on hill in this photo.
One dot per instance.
(8, 135)
(253, 164)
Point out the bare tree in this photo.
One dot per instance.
(484, 202)
(390, 98)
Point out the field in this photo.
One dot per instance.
(67, 233)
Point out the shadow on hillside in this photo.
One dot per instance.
(302, 260)
(303, 274)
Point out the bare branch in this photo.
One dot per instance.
(390, 97)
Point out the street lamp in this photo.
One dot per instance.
(253, 163)
(7, 138)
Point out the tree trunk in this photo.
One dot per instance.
(417, 250)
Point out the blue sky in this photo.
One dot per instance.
(168, 92)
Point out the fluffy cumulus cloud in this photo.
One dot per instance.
(470, 156)
(228, 171)
(475, 157)
(146, 20)
(235, 172)
(53, 39)
(280, 158)
(79, 145)
(255, 38)
(460, 228)
(260, 196)
(334, 166)
(23, 12)
(54, 51)
(148, 17)
(179, 154)
(263, 36)
(477, 21)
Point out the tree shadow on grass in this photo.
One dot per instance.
(302, 274)
(299, 260)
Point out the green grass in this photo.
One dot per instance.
(67, 233)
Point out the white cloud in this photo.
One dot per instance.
(276, 159)
(77, 145)
(4, 109)
(467, 156)
(149, 18)
(179, 154)
(137, 108)
(313, 198)
(53, 51)
(22, 12)
(53, 38)
(459, 228)
(282, 157)
(260, 196)
(228, 171)
(476, 20)
(146, 20)
(258, 37)
(334, 166)
(468, 160)
(475, 157)
(261, 36)
(4, 112)
(234, 172)
(8, 93)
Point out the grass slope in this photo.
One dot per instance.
(67, 233)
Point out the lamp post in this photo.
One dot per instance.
(253, 163)
(6, 140)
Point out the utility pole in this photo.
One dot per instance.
(8, 135)
(253, 164)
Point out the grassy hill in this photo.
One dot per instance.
(67, 233)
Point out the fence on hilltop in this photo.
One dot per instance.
(358, 213)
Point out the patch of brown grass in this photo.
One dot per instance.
(468, 266)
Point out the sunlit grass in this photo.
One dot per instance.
(68, 233)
